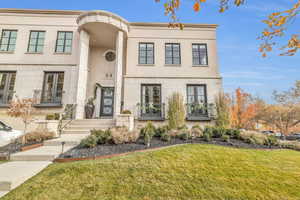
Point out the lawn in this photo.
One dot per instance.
(194, 171)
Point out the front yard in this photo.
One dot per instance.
(192, 171)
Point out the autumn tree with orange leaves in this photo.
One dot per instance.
(277, 23)
(243, 110)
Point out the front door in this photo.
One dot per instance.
(107, 102)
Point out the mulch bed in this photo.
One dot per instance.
(112, 149)
(15, 147)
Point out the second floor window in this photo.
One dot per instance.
(146, 53)
(64, 42)
(8, 40)
(36, 42)
(7, 84)
(172, 53)
(200, 54)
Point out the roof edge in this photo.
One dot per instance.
(186, 25)
(38, 11)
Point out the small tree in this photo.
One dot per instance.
(22, 108)
(222, 102)
(176, 111)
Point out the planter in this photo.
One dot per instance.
(47, 125)
(29, 147)
(126, 120)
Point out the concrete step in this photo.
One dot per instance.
(13, 174)
(44, 153)
(88, 126)
(69, 139)
(75, 132)
(93, 121)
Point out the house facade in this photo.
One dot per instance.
(61, 58)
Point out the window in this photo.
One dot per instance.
(146, 53)
(151, 107)
(36, 42)
(200, 54)
(53, 88)
(8, 40)
(196, 100)
(64, 42)
(172, 54)
(7, 84)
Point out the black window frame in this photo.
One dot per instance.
(150, 115)
(205, 113)
(172, 57)
(36, 45)
(199, 54)
(54, 92)
(64, 41)
(7, 91)
(146, 53)
(9, 40)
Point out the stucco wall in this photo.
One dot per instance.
(159, 36)
(132, 89)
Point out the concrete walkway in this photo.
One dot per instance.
(24, 165)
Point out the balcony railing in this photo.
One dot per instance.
(6, 97)
(198, 112)
(155, 112)
(47, 98)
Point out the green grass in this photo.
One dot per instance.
(183, 172)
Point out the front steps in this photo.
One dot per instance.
(84, 126)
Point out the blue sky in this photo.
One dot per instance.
(240, 63)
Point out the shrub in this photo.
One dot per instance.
(38, 136)
(222, 102)
(161, 130)
(174, 133)
(103, 137)
(253, 137)
(208, 130)
(176, 111)
(225, 138)
(196, 132)
(183, 136)
(207, 137)
(54, 116)
(233, 133)
(149, 132)
(271, 141)
(183, 127)
(126, 112)
(165, 137)
(121, 135)
(289, 144)
(89, 142)
(218, 132)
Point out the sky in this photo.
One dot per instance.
(240, 63)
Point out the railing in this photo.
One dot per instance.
(151, 111)
(69, 115)
(6, 97)
(196, 111)
(47, 98)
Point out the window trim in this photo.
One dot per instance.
(44, 83)
(195, 85)
(8, 82)
(173, 64)
(64, 46)
(9, 38)
(206, 48)
(153, 57)
(36, 52)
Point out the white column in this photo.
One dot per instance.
(118, 72)
(82, 73)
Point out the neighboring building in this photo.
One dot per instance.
(64, 57)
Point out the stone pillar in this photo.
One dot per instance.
(82, 73)
(119, 72)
